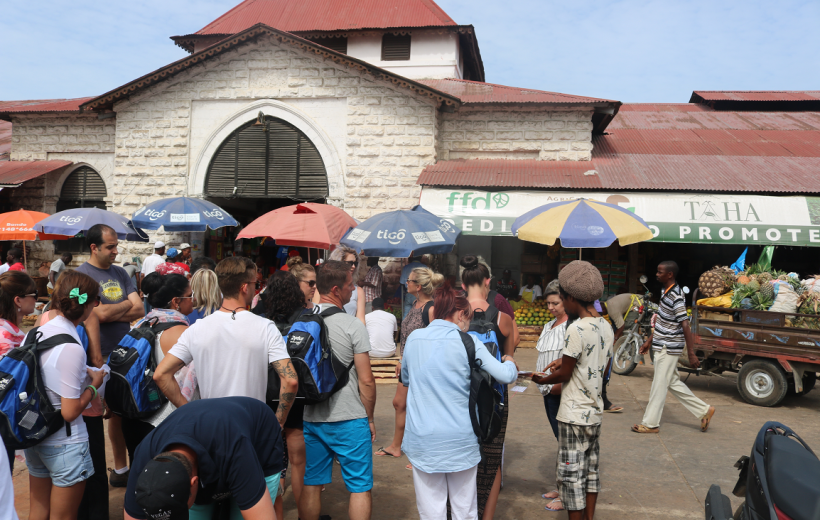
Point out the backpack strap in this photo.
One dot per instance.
(330, 311)
(425, 312)
(162, 327)
(469, 345)
(491, 297)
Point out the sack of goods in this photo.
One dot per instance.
(321, 373)
(132, 392)
(26, 413)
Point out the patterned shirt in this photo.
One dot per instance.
(669, 322)
(549, 346)
(10, 336)
(589, 340)
(375, 277)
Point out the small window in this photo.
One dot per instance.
(395, 47)
(334, 44)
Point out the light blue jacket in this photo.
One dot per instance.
(438, 435)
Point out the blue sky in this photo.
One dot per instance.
(629, 50)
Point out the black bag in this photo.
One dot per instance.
(425, 313)
(24, 423)
(485, 401)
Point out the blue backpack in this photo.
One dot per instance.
(26, 414)
(483, 328)
(321, 373)
(131, 392)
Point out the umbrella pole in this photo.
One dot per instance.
(308, 256)
(25, 262)
(580, 251)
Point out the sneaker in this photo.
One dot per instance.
(117, 480)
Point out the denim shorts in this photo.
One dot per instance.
(65, 465)
(350, 442)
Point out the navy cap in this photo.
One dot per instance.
(163, 488)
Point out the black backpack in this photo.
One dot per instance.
(485, 401)
(425, 313)
(24, 423)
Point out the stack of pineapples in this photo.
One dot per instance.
(755, 289)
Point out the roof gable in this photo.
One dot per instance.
(108, 99)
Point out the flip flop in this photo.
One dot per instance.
(547, 496)
(409, 466)
(640, 428)
(556, 499)
(615, 409)
(381, 452)
(704, 423)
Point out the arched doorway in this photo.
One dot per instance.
(264, 164)
(83, 188)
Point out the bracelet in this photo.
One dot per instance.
(93, 390)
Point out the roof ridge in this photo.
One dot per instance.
(438, 11)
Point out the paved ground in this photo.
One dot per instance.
(643, 476)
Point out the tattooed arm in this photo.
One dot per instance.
(288, 384)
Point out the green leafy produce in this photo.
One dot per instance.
(761, 302)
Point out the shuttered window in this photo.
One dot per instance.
(270, 160)
(84, 188)
(335, 44)
(395, 47)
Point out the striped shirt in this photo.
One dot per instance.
(549, 346)
(669, 322)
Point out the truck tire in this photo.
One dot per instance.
(762, 382)
(622, 360)
(809, 380)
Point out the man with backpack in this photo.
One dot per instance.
(120, 304)
(342, 425)
(232, 347)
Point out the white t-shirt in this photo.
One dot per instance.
(530, 294)
(63, 369)
(380, 327)
(232, 355)
(4, 268)
(7, 511)
(150, 264)
(57, 266)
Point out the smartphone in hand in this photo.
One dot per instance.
(522, 373)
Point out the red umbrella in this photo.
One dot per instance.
(304, 225)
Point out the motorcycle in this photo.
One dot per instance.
(780, 480)
(627, 348)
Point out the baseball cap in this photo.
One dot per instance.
(163, 489)
(171, 252)
(184, 245)
(159, 244)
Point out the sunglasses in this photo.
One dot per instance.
(411, 280)
(33, 295)
(311, 283)
(352, 263)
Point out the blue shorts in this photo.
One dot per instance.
(205, 512)
(65, 465)
(350, 442)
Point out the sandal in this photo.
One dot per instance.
(640, 428)
(381, 452)
(704, 423)
(550, 495)
(556, 499)
(614, 409)
(409, 466)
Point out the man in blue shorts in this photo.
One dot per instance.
(343, 425)
(222, 452)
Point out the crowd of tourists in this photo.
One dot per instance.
(241, 412)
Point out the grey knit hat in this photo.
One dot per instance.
(582, 281)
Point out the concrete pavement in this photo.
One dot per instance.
(643, 476)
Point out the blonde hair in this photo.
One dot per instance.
(293, 261)
(428, 280)
(299, 269)
(341, 252)
(205, 286)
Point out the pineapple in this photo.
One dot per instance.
(743, 279)
(753, 286)
(764, 278)
(717, 281)
(767, 290)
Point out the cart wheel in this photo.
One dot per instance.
(622, 361)
(809, 380)
(762, 382)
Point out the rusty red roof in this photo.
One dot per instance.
(633, 172)
(41, 105)
(755, 95)
(15, 173)
(328, 15)
(476, 92)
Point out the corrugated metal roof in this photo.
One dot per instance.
(42, 105)
(15, 173)
(478, 92)
(634, 172)
(699, 117)
(755, 95)
(328, 15)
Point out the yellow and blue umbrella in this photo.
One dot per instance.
(581, 223)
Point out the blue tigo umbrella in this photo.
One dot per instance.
(72, 222)
(403, 233)
(182, 214)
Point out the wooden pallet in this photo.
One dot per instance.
(529, 335)
(384, 369)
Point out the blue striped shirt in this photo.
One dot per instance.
(669, 322)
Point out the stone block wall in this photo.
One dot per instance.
(516, 133)
(35, 136)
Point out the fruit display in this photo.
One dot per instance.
(533, 314)
(718, 280)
